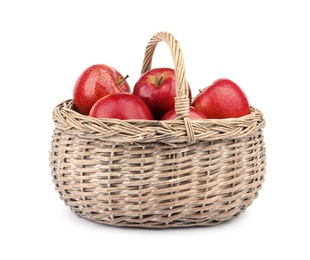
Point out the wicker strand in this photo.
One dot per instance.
(181, 107)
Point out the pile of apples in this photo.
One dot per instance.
(101, 91)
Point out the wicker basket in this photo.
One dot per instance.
(158, 174)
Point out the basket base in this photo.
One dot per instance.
(161, 222)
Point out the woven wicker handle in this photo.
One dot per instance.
(182, 101)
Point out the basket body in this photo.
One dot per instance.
(147, 173)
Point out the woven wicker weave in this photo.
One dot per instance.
(158, 174)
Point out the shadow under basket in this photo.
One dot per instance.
(158, 174)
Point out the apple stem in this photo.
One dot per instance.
(160, 80)
(126, 77)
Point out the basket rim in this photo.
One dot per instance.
(67, 119)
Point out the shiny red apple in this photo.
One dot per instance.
(157, 87)
(95, 82)
(223, 99)
(193, 113)
(123, 106)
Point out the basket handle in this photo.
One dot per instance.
(182, 101)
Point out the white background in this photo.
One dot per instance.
(263, 46)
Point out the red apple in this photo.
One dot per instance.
(157, 87)
(122, 106)
(193, 113)
(96, 82)
(223, 99)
